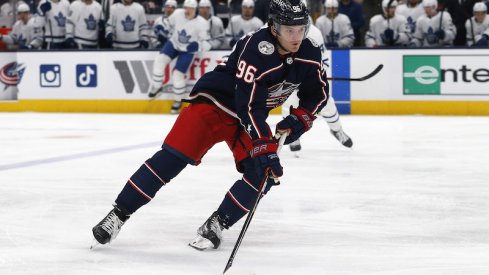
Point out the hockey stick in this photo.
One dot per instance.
(252, 212)
(374, 72)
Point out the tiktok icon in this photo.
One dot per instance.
(86, 75)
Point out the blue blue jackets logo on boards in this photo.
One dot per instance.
(11, 74)
(86, 75)
(50, 75)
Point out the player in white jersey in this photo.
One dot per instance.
(7, 8)
(161, 28)
(412, 10)
(239, 25)
(52, 15)
(329, 112)
(127, 27)
(387, 29)
(189, 35)
(24, 34)
(433, 29)
(335, 28)
(215, 24)
(84, 20)
(478, 26)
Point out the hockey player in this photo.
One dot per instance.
(433, 29)
(387, 29)
(24, 34)
(329, 113)
(335, 28)
(215, 24)
(231, 104)
(239, 25)
(127, 27)
(51, 16)
(190, 35)
(161, 26)
(478, 27)
(7, 8)
(84, 20)
(412, 10)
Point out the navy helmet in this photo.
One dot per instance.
(289, 12)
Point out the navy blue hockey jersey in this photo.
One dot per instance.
(256, 78)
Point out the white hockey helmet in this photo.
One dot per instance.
(480, 7)
(248, 3)
(205, 4)
(385, 3)
(430, 3)
(172, 3)
(331, 4)
(23, 8)
(304, 2)
(190, 4)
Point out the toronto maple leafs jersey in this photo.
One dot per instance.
(378, 24)
(83, 22)
(411, 13)
(24, 34)
(424, 36)
(184, 31)
(216, 32)
(161, 31)
(128, 25)
(256, 78)
(239, 27)
(476, 30)
(54, 21)
(336, 31)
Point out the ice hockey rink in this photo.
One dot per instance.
(411, 197)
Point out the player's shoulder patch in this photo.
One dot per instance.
(266, 47)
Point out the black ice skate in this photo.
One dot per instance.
(343, 138)
(108, 228)
(295, 146)
(155, 91)
(175, 108)
(209, 235)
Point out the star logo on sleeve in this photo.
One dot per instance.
(128, 24)
(60, 19)
(91, 23)
(183, 37)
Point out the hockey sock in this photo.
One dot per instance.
(148, 179)
(241, 197)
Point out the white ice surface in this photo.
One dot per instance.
(412, 197)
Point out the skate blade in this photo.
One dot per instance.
(201, 243)
(95, 243)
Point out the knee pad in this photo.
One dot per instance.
(179, 84)
(159, 65)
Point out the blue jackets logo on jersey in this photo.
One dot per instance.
(128, 24)
(278, 94)
(183, 37)
(91, 23)
(60, 19)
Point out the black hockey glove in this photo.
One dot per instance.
(45, 7)
(483, 42)
(264, 154)
(440, 34)
(297, 123)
